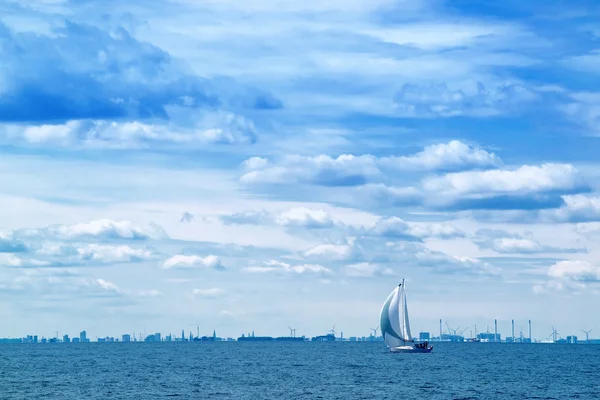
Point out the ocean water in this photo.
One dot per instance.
(230, 370)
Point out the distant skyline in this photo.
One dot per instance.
(265, 164)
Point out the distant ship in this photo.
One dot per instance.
(290, 339)
(395, 326)
(255, 339)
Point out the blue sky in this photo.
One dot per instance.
(261, 164)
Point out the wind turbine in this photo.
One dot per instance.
(521, 335)
(553, 335)
(452, 332)
(587, 337)
(292, 331)
(333, 330)
(374, 335)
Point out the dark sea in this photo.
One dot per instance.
(341, 370)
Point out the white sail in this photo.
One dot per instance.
(405, 324)
(394, 323)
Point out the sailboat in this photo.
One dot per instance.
(395, 327)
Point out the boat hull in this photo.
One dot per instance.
(410, 349)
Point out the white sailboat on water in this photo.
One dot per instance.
(395, 327)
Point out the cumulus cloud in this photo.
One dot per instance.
(13, 261)
(576, 208)
(527, 187)
(417, 254)
(511, 243)
(102, 229)
(366, 270)
(526, 179)
(573, 270)
(437, 100)
(350, 251)
(107, 253)
(111, 75)
(399, 229)
(295, 217)
(274, 266)
(352, 170)
(222, 128)
(305, 217)
(454, 155)
(181, 261)
(344, 170)
(572, 275)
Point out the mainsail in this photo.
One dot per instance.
(395, 327)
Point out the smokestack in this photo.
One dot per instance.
(530, 330)
(440, 329)
(513, 330)
(495, 330)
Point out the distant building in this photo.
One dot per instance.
(83, 337)
(66, 339)
(572, 339)
(489, 337)
(75, 340)
(424, 336)
(126, 338)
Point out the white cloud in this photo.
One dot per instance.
(588, 228)
(526, 179)
(571, 275)
(305, 217)
(445, 156)
(573, 270)
(181, 261)
(106, 285)
(435, 230)
(104, 229)
(439, 101)
(577, 208)
(583, 109)
(399, 229)
(274, 266)
(294, 217)
(335, 252)
(510, 243)
(11, 260)
(344, 170)
(352, 170)
(217, 128)
(393, 227)
(107, 253)
(366, 270)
